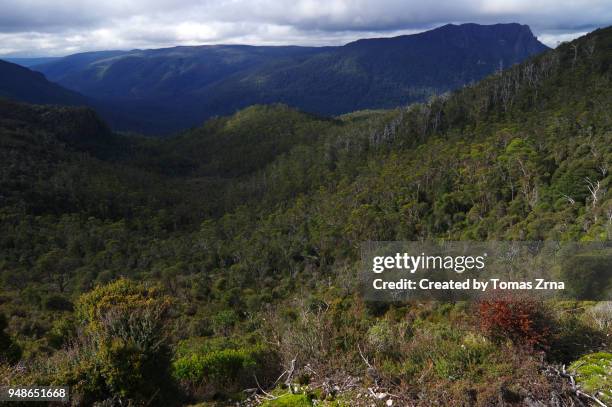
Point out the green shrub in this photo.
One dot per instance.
(122, 350)
(9, 351)
(61, 332)
(220, 367)
(573, 337)
(223, 371)
(224, 322)
(463, 358)
(57, 302)
(381, 336)
(601, 315)
(448, 352)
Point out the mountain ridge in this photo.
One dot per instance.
(185, 85)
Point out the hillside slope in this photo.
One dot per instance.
(385, 72)
(160, 73)
(185, 85)
(256, 263)
(19, 83)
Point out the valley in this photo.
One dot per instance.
(217, 265)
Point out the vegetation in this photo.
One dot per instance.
(193, 268)
(169, 89)
(226, 369)
(593, 373)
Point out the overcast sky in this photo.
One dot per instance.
(61, 27)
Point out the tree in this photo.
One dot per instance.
(521, 161)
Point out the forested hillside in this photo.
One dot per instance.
(25, 85)
(383, 72)
(17, 82)
(225, 258)
(172, 89)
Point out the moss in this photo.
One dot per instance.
(289, 400)
(594, 374)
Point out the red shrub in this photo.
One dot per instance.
(524, 321)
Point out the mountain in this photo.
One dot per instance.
(230, 253)
(179, 87)
(383, 73)
(159, 73)
(30, 62)
(23, 84)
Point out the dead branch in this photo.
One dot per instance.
(594, 188)
(290, 372)
(364, 358)
(268, 395)
(563, 373)
(569, 199)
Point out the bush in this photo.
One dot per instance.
(122, 350)
(441, 351)
(220, 372)
(460, 359)
(601, 315)
(220, 367)
(524, 322)
(56, 302)
(62, 331)
(9, 351)
(381, 336)
(573, 336)
(224, 322)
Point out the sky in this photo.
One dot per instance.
(31, 28)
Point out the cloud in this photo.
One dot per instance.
(45, 27)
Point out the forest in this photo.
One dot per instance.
(161, 91)
(217, 266)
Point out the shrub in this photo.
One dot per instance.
(381, 336)
(523, 321)
(224, 322)
(459, 359)
(587, 275)
(221, 372)
(56, 302)
(121, 295)
(220, 367)
(601, 315)
(573, 336)
(9, 351)
(122, 350)
(446, 351)
(60, 333)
